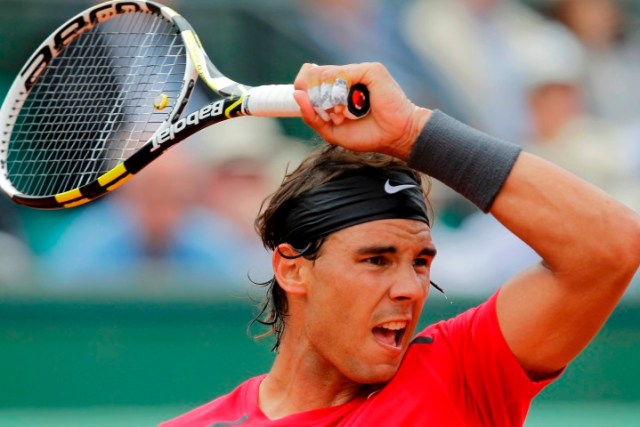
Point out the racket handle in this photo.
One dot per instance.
(278, 101)
(271, 101)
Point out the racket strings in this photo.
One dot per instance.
(92, 107)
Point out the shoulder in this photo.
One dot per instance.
(469, 366)
(482, 318)
(468, 345)
(229, 408)
(471, 350)
(448, 350)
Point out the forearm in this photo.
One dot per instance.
(575, 227)
(561, 217)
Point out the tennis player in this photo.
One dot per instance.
(352, 253)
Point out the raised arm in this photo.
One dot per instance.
(590, 246)
(589, 243)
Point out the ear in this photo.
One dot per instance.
(287, 268)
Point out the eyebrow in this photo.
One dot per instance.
(429, 251)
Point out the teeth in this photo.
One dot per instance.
(394, 326)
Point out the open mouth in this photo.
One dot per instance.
(390, 334)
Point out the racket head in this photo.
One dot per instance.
(90, 107)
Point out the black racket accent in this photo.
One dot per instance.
(36, 202)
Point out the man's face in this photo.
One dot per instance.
(365, 294)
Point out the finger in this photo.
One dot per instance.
(324, 115)
(301, 80)
(302, 98)
(352, 73)
(340, 91)
(337, 119)
(325, 95)
(316, 98)
(308, 112)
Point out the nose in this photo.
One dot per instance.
(409, 285)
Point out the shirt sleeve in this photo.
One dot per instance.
(490, 378)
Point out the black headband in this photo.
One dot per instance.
(352, 198)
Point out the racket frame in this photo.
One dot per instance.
(176, 128)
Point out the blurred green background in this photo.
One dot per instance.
(137, 357)
(135, 362)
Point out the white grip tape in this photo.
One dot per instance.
(271, 101)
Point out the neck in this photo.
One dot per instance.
(299, 382)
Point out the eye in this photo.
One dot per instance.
(377, 260)
(421, 262)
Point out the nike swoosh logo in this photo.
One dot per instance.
(393, 189)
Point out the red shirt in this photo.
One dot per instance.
(458, 372)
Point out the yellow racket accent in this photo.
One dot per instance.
(198, 58)
(68, 195)
(76, 203)
(230, 108)
(112, 175)
(119, 183)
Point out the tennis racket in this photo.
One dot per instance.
(110, 91)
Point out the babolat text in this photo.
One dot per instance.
(169, 134)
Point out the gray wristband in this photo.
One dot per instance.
(472, 163)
